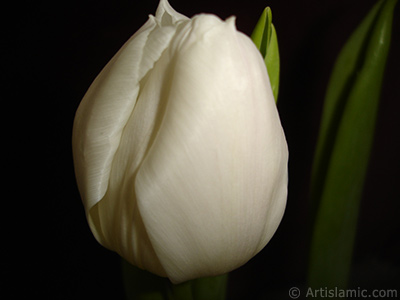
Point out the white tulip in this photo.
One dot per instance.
(179, 153)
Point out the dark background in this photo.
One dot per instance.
(52, 53)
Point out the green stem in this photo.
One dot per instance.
(142, 285)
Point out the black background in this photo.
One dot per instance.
(52, 51)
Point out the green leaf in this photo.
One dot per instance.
(262, 32)
(265, 38)
(272, 61)
(344, 145)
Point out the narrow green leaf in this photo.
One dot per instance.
(265, 38)
(344, 145)
(272, 62)
(340, 85)
(262, 31)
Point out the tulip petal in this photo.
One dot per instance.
(212, 187)
(99, 137)
(167, 15)
(110, 100)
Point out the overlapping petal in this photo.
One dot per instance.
(111, 99)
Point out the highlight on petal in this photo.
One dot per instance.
(212, 189)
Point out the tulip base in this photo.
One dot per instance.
(142, 285)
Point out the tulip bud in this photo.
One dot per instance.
(179, 153)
